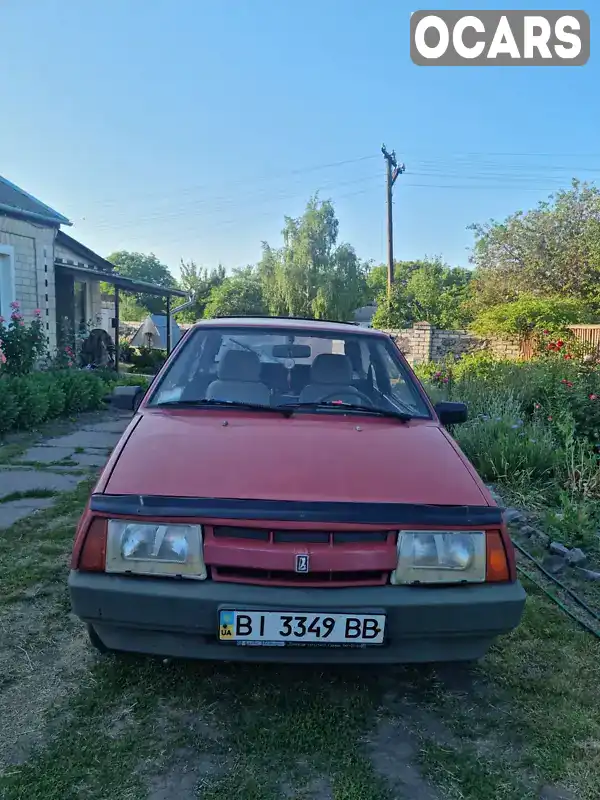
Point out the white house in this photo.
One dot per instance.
(42, 267)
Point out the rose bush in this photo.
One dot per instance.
(22, 344)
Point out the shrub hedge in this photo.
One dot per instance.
(27, 401)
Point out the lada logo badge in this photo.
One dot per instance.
(302, 563)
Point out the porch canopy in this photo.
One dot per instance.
(127, 285)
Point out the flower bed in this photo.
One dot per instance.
(27, 401)
(533, 429)
(28, 397)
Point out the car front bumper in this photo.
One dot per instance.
(179, 618)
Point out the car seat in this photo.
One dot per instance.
(275, 376)
(239, 380)
(330, 374)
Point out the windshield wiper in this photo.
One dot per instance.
(212, 402)
(380, 412)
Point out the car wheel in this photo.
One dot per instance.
(96, 641)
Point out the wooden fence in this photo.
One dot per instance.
(589, 335)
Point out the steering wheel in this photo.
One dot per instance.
(349, 397)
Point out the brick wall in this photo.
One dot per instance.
(32, 257)
(423, 343)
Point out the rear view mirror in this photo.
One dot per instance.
(291, 351)
(451, 413)
(126, 398)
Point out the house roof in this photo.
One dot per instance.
(84, 252)
(127, 284)
(17, 202)
(365, 313)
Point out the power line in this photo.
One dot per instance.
(250, 180)
(226, 201)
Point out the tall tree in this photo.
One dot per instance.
(311, 275)
(239, 294)
(425, 291)
(552, 250)
(200, 282)
(148, 268)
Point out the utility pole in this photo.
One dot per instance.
(392, 169)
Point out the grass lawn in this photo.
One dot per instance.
(523, 724)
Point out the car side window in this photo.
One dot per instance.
(399, 387)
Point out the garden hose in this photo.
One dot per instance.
(555, 580)
(559, 604)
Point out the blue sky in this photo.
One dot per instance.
(190, 128)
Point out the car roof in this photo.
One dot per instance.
(297, 323)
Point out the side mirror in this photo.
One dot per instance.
(452, 413)
(127, 398)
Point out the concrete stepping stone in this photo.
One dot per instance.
(91, 459)
(28, 480)
(46, 455)
(85, 439)
(15, 510)
(112, 426)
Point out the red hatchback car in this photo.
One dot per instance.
(285, 491)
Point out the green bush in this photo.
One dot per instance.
(532, 316)
(534, 428)
(146, 360)
(9, 407)
(32, 404)
(27, 401)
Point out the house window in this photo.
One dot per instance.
(7, 279)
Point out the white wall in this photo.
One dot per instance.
(32, 255)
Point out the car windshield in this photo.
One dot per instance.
(320, 371)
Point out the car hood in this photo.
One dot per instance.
(306, 457)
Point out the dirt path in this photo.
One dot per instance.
(523, 725)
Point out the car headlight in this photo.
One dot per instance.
(440, 557)
(155, 549)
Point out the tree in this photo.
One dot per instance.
(531, 316)
(424, 291)
(377, 280)
(552, 250)
(311, 275)
(199, 282)
(240, 294)
(148, 268)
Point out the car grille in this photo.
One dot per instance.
(302, 536)
(265, 556)
(287, 578)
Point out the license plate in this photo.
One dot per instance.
(279, 629)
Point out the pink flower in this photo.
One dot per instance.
(69, 363)
(537, 406)
(444, 380)
(549, 419)
(2, 358)
(15, 304)
(21, 323)
(38, 312)
(593, 397)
